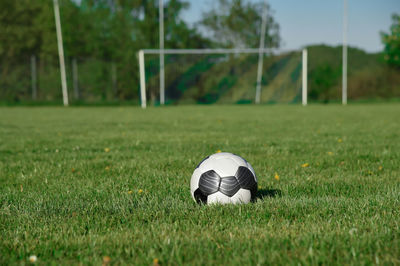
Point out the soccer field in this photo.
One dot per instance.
(111, 185)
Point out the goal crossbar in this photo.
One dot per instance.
(206, 51)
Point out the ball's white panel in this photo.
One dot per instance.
(227, 155)
(194, 181)
(239, 160)
(252, 170)
(225, 167)
(207, 165)
(218, 198)
(242, 196)
(224, 164)
(221, 155)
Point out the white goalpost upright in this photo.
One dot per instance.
(304, 78)
(143, 100)
(344, 60)
(162, 68)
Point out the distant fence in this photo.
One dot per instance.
(88, 79)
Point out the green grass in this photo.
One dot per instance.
(67, 200)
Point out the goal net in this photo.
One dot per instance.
(223, 76)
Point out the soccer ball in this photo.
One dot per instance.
(223, 178)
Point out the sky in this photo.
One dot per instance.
(305, 22)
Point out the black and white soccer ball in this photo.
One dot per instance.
(223, 178)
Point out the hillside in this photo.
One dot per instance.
(232, 79)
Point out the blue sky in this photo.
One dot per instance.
(306, 22)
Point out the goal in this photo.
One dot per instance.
(223, 76)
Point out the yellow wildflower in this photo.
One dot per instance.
(140, 191)
(107, 149)
(276, 176)
(340, 140)
(380, 167)
(156, 262)
(304, 165)
(130, 192)
(218, 151)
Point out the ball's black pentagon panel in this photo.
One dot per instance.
(245, 178)
(199, 196)
(229, 186)
(209, 182)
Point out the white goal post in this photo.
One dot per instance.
(143, 52)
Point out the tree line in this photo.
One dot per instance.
(103, 37)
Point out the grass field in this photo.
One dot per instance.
(111, 185)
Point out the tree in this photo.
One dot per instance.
(237, 23)
(24, 31)
(391, 41)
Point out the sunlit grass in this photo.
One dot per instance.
(111, 185)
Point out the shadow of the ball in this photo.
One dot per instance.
(268, 193)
